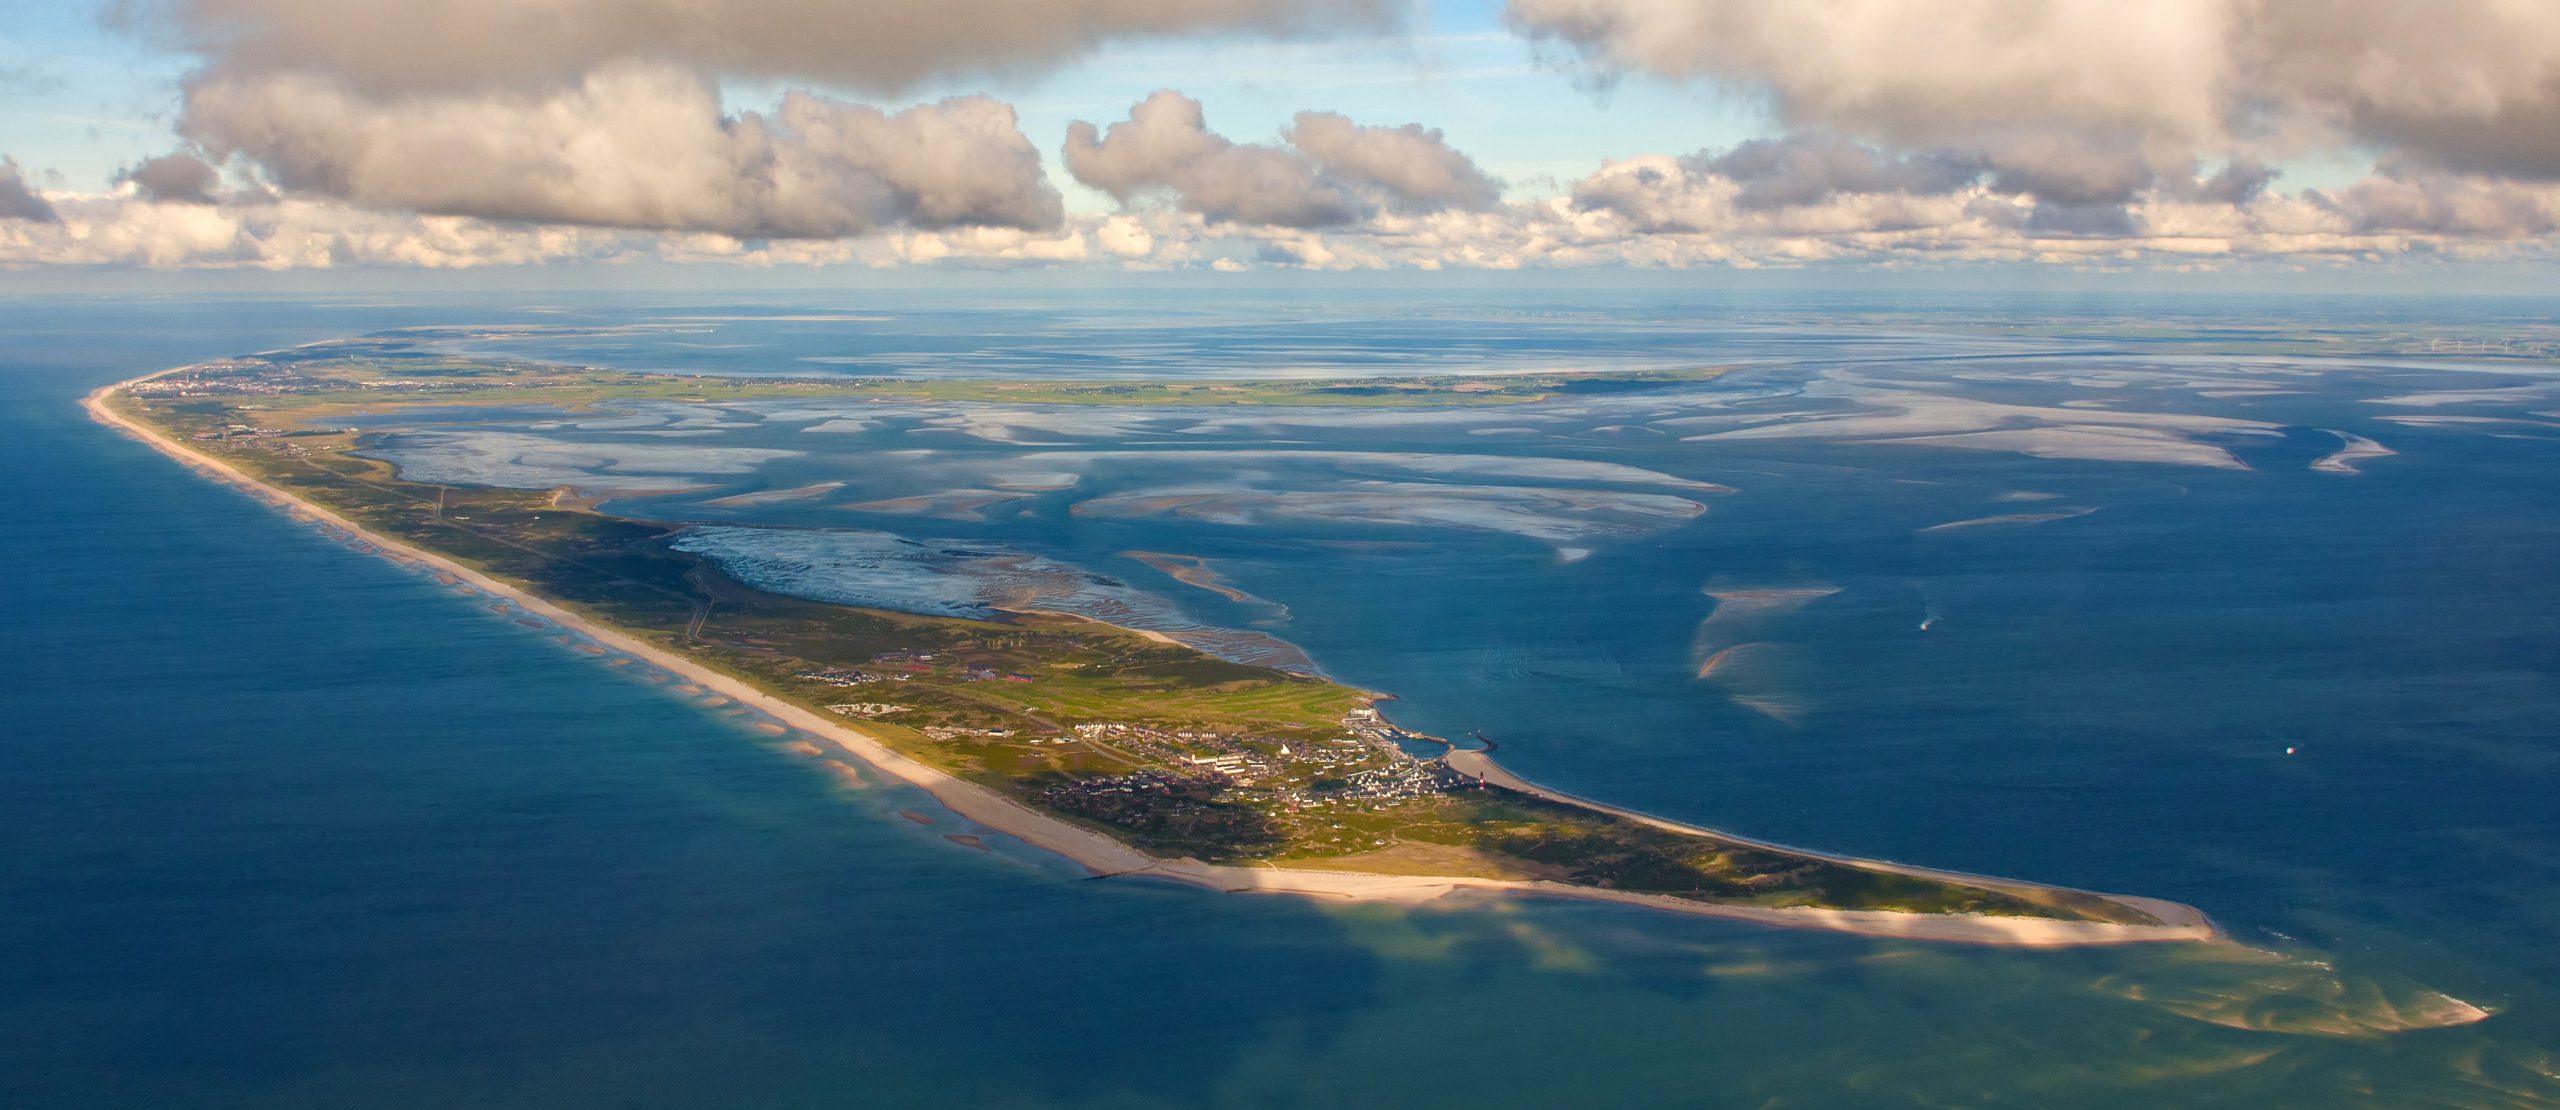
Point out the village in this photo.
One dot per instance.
(1364, 769)
(847, 676)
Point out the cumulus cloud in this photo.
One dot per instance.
(2237, 182)
(1662, 212)
(295, 232)
(1331, 172)
(1819, 184)
(606, 112)
(381, 47)
(17, 201)
(1813, 168)
(1125, 237)
(2470, 86)
(1930, 72)
(449, 133)
(179, 178)
(2089, 120)
(2411, 198)
(2078, 171)
(1658, 194)
(1166, 146)
(1412, 165)
(635, 147)
(123, 231)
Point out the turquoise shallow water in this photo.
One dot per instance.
(282, 825)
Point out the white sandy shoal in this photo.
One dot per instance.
(1106, 856)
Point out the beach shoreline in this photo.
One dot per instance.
(1104, 856)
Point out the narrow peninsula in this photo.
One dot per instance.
(1125, 751)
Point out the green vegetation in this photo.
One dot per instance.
(1170, 749)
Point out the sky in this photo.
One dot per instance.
(739, 137)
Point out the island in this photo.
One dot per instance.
(1128, 752)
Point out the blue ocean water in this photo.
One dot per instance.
(284, 825)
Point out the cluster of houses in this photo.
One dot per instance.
(1378, 770)
(268, 440)
(1224, 754)
(1113, 793)
(847, 676)
(1411, 778)
(901, 665)
(1236, 768)
(218, 379)
(866, 709)
(240, 431)
(232, 378)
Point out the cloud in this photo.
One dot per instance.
(1811, 169)
(2237, 182)
(2088, 121)
(1125, 237)
(607, 112)
(2469, 86)
(1912, 132)
(2078, 171)
(2080, 220)
(1814, 167)
(304, 233)
(17, 201)
(1331, 173)
(381, 47)
(181, 178)
(1664, 213)
(635, 147)
(1658, 194)
(1817, 185)
(1166, 146)
(1918, 71)
(2411, 198)
(1413, 165)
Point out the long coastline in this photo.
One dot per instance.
(1104, 856)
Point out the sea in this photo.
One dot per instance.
(2244, 602)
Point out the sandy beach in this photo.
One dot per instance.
(2179, 921)
(1105, 856)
